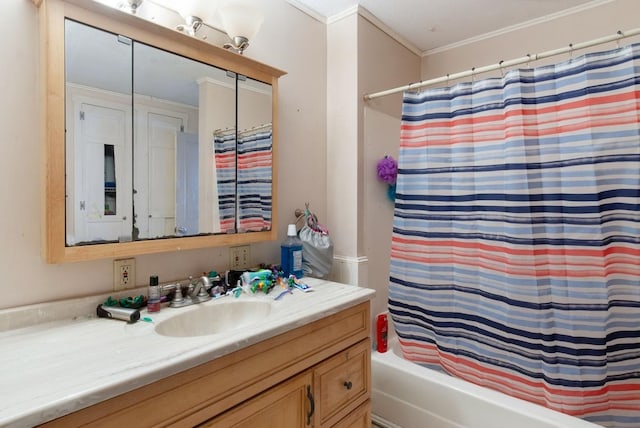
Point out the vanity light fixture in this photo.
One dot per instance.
(241, 22)
(132, 5)
(192, 25)
(195, 13)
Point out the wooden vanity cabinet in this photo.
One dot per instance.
(316, 375)
(321, 397)
(341, 384)
(285, 405)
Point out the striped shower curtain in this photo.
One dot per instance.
(224, 147)
(254, 179)
(516, 236)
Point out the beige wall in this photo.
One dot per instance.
(342, 134)
(26, 279)
(382, 63)
(583, 26)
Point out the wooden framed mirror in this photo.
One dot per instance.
(135, 147)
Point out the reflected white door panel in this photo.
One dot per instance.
(102, 191)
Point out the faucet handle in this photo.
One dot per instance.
(178, 298)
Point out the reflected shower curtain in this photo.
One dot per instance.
(224, 147)
(516, 237)
(254, 179)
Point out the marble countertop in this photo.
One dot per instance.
(52, 369)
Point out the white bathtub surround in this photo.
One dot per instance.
(58, 367)
(377, 422)
(411, 396)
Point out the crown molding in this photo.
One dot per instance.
(516, 27)
(388, 30)
(344, 14)
(312, 13)
(356, 9)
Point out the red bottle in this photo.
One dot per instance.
(381, 332)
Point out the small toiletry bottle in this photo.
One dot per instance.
(381, 332)
(291, 253)
(153, 298)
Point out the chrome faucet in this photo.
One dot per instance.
(197, 293)
(200, 289)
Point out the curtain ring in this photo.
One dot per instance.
(620, 36)
(447, 79)
(473, 74)
(570, 51)
(528, 61)
(501, 69)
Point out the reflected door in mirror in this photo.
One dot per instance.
(187, 193)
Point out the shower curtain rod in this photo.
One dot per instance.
(257, 127)
(502, 64)
(232, 129)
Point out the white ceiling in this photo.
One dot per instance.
(432, 24)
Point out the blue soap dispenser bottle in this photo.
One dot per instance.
(291, 253)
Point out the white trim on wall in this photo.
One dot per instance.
(413, 48)
(516, 27)
(312, 13)
(350, 270)
(356, 9)
(388, 30)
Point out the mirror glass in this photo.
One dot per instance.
(98, 116)
(178, 103)
(254, 146)
(151, 144)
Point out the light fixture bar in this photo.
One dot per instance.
(192, 25)
(240, 23)
(131, 5)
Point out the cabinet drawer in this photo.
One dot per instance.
(342, 383)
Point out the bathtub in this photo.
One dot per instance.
(410, 396)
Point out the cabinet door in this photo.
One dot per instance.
(290, 405)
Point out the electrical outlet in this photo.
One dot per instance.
(239, 257)
(124, 274)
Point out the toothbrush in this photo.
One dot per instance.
(282, 293)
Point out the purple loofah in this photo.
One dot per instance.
(387, 169)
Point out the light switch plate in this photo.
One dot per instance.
(239, 257)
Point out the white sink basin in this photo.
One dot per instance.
(217, 317)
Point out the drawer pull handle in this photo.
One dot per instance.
(312, 405)
(347, 384)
